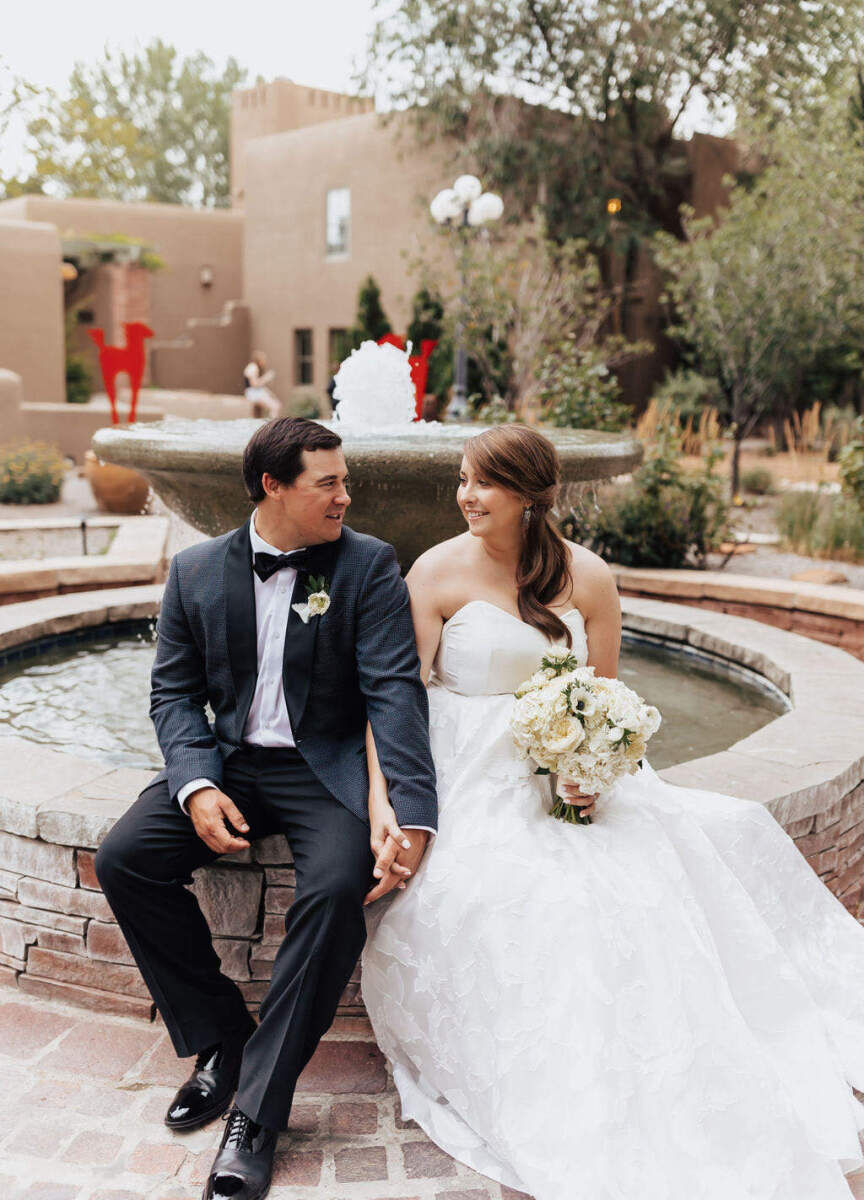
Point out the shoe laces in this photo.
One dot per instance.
(241, 1130)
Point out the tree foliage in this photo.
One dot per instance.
(515, 296)
(152, 125)
(778, 284)
(576, 103)
(371, 321)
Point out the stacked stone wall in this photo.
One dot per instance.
(845, 632)
(59, 939)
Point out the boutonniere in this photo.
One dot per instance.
(317, 599)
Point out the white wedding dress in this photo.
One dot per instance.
(665, 1005)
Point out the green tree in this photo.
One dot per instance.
(427, 322)
(520, 296)
(152, 125)
(779, 282)
(427, 318)
(371, 322)
(16, 96)
(578, 103)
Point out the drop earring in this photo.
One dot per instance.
(526, 514)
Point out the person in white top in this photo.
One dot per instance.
(257, 377)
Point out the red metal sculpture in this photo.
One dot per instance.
(419, 364)
(114, 360)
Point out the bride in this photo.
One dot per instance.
(666, 1004)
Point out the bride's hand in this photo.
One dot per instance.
(570, 792)
(386, 840)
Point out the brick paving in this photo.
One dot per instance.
(83, 1096)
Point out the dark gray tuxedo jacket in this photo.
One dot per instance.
(357, 661)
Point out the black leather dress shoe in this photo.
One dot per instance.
(243, 1166)
(208, 1091)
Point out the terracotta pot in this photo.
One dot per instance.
(116, 489)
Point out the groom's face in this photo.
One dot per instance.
(315, 503)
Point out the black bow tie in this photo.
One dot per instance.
(264, 565)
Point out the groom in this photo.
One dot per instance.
(291, 681)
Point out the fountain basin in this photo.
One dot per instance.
(707, 704)
(55, 808)
(403, 478)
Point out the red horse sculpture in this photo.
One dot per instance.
(419, 364)
(114, 360)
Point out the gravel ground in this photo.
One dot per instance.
(778, 564)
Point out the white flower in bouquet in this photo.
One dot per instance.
(581, 726)
(374, 387)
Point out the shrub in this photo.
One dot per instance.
(494, 412)
(757, 480)
(303, 402)
(688, 392)
(78, 380)
(851, 467)
(579, 391)
(31, 473)
(664, 517)
(822, 525)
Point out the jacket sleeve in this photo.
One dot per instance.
(178, 694)
(396, 702)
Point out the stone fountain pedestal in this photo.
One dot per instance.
(403, 485)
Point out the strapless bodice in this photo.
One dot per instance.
(486, 650)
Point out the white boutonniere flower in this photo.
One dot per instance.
(317, 600)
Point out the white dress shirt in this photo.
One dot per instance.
(268, 723)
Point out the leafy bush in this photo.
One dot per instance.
(78, 380)
(664, 517)
(303, 402)
(851, 467)
(579, 391)
(688, 392)
(822, 525)
(757, 480)
(30, 473)
(494, 412)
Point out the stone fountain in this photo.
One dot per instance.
(404, 474)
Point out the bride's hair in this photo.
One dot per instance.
(523, 461)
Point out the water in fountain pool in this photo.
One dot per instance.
(92, 700)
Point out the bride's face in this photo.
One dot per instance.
(487, 507)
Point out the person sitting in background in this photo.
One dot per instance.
(256, 377)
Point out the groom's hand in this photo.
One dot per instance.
(211, 812)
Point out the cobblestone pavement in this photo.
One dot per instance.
(82, 1098)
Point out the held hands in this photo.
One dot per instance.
(214, 815)
(570, 792)
(388, 841)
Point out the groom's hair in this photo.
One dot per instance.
(277, 449)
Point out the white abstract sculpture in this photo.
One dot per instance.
(374, 387)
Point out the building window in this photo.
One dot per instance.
(303, 359)
(338, 349)
(339, 221)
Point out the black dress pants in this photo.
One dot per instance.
(148, 858)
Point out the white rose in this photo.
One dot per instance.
(318, 603)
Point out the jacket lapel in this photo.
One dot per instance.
(241, 623)
(299, 654)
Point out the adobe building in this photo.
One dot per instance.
(324, 193)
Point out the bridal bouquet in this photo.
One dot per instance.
(582, 726)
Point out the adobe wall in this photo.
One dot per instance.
(186, 238)
(31, 308)
(290, 281)
(278, 106)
